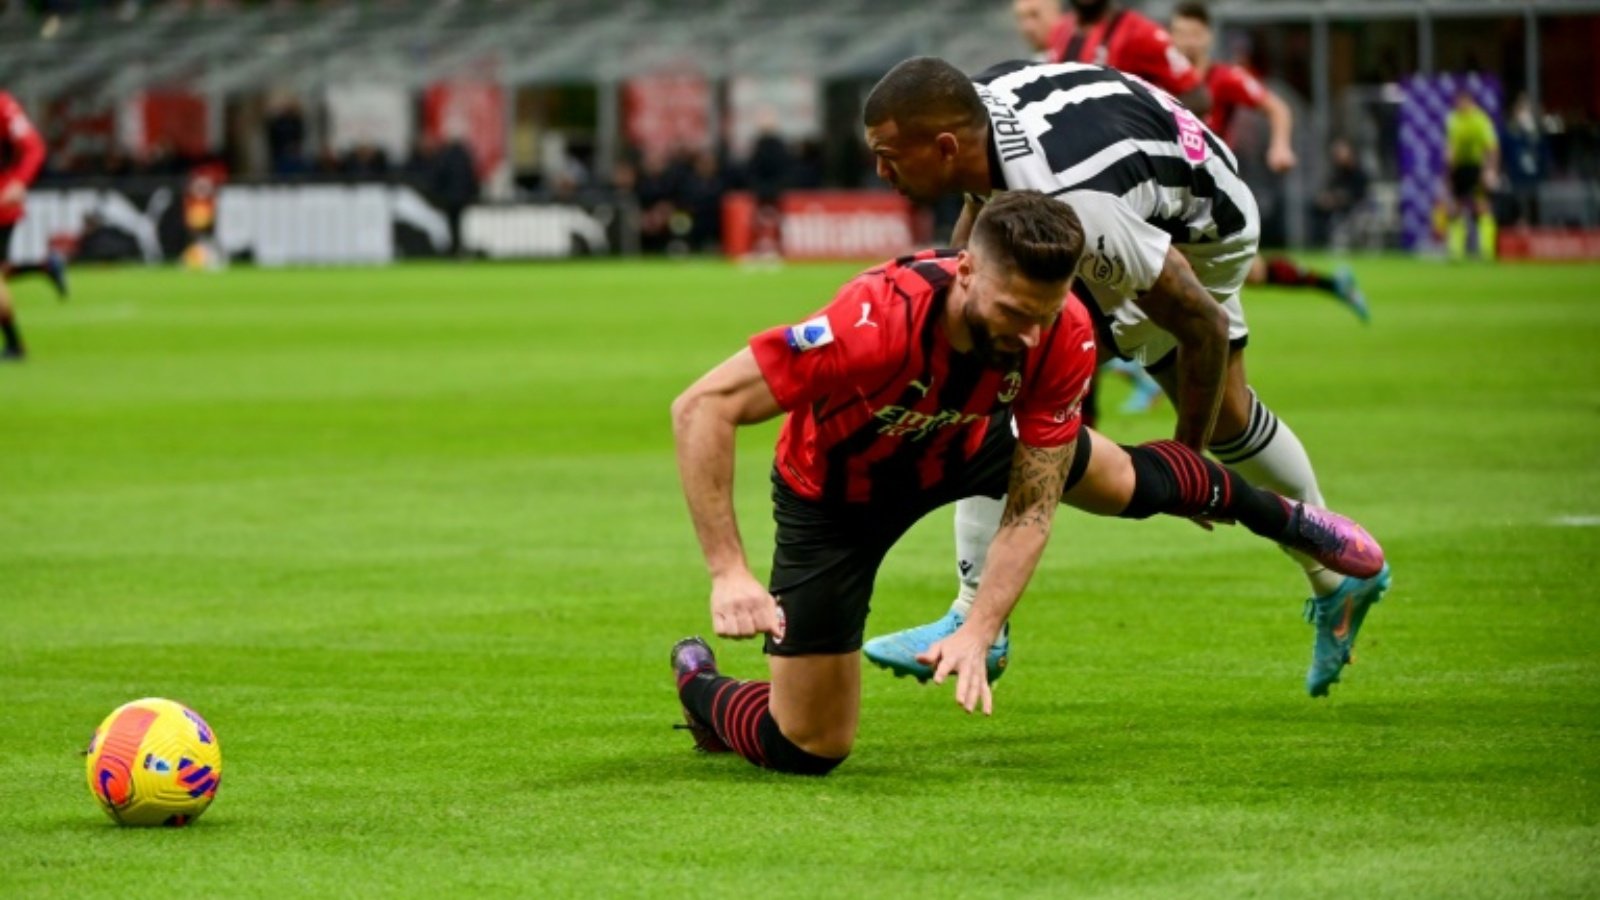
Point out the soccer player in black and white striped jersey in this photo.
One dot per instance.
(1170, 235)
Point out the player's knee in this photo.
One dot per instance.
(820, 754)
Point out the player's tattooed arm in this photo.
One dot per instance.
(1183, 308)
(1038, 476)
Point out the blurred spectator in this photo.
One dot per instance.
(1527, 160)
(769, 167)
(366, 160)
(807, 172)
(286, 138)
(702, 201)
(656, 192)
(445, 172)
(1343, 195)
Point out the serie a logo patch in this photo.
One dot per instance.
(811, 334)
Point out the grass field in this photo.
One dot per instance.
(411, 539)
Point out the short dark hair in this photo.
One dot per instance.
(1195, 11)
(925, 95)
(1036, 236)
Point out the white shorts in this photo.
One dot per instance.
(1221, 269)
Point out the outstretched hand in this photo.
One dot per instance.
(965, 655)
(741, 608)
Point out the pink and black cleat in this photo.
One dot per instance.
(1335, 541)
(690, 657)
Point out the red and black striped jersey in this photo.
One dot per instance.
(882, 406)
(21, 154)
(1128, 42)
(1231, 87)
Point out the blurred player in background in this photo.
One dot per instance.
(21, 156)
(1472, 157)
(1040, 22)
(1104, 34)
(1232, 88)
(1170, 233)
(930, 378)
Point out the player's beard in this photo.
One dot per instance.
(988, 354)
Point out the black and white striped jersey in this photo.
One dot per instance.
(1141, 171)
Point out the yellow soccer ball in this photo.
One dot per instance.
(154, 762)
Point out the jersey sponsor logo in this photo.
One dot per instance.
(1191, 137)
(922, 389)
(898, 421)
(811, 334)
(1010, 138)
(1191, 134)
(866, 313)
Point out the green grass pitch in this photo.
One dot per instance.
(412, 540)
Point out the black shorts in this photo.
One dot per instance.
(826, 556)
(5, 242)
(1466, 182)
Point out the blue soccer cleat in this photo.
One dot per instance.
(897, 652)
(55, 268)
(1344, 287)
(1338, 617)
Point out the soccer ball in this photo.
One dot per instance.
(154, 762)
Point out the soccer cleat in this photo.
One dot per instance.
(690, 657)
(1333, 540)
(1146, 394)
(1344, 287)
(1338, 617)
(11, 354)
(898, 652)
(55, 267)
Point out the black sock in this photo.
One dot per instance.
(738, 712)
(1171, 478)
(8, 331)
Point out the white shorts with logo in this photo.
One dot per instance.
(1221, 268)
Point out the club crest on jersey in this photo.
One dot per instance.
(1010, 386)
(811, 334)
(1099, 266)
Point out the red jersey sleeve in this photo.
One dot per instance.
(27, 147)
(1143, 48)
(1233, 85)
(1049, 411)
(827, 352)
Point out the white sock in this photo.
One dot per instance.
(977, 519)
(1269, 455)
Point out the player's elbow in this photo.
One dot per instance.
(688, 406)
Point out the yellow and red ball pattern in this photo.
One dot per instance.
(154, 762)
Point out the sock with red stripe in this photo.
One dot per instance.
(738, 712)
(1172, 479)
(1287, 272)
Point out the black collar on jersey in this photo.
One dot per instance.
(997, 175)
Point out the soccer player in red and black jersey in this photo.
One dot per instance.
(1234, 88)
(926, 380)
(1102, 33)
(21, 156)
